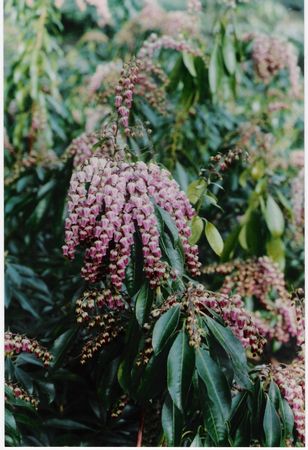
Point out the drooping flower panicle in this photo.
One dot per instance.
(108, 202)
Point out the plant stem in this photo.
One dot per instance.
(140, 430)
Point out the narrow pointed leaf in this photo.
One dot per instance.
(172, 422)
(234, 349)
(215, 382)
(214, 238)
(180, 367)
(165, 327)
(271, 425)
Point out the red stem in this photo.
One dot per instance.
(140, 431)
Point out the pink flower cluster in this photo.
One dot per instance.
(108, 202)
(270, 55)
(81, 148)
(298, 203)
(15, 344)
(262, 279)
(291, 382)
(89, 306)
(155, 43)
(232, 310)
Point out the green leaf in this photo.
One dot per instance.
(10, 423)
(188, 60)
(234, 349)
(214, 238)
(66, 424)
(276, 250)
(173, 253)
(172, 422)
(230, 244)
(216, 384)
(274, 394)
(196, 229)
(195, 190)
(274, 217)
(197, 441)
(215, 69)
(287, 418)
(62, 344)
(271, 425)
(165, 327)
(180, 367)
(144, 300)
(228, 52)
(169, 222)
(215, 425)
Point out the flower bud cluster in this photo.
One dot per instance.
(105, 74)
(118, 409)
(231, 309)
(108, 202)
(15, 344)
(270, 55)
(21, 394)
(112, 326)
(223, 162)
(298, 203)
(262, 279)
(89, 306)
(155, 43)
(291, 382)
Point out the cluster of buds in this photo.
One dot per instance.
(230, 308)
(144, 356)
(155, 43)
(112, 326)
(104, 75)
(270, 55)
(102, 9)
(222, 162)
(15, 344)
(108, 202)
(262, 279)
(101, 143)
(298, 203)
(291, 381)
(21, 394)
(258, 144)
(89, 306)
(125, 91)
(118, 409)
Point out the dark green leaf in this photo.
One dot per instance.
(216, 384)
(180, 367)
(143, 303)
(172, 422)
(165, 327)
(271, 425)
(234, 349)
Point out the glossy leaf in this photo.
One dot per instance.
(188, 60)
(143, 303)
(180, 367)
(196, 226)
(214, 238)
(228, 51)
(165, 327)
(271, 425)
(215, 382)
(274, 217)
(234, 349)
(172, 422)
(195, 190)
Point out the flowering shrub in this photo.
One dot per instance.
(156, 172)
